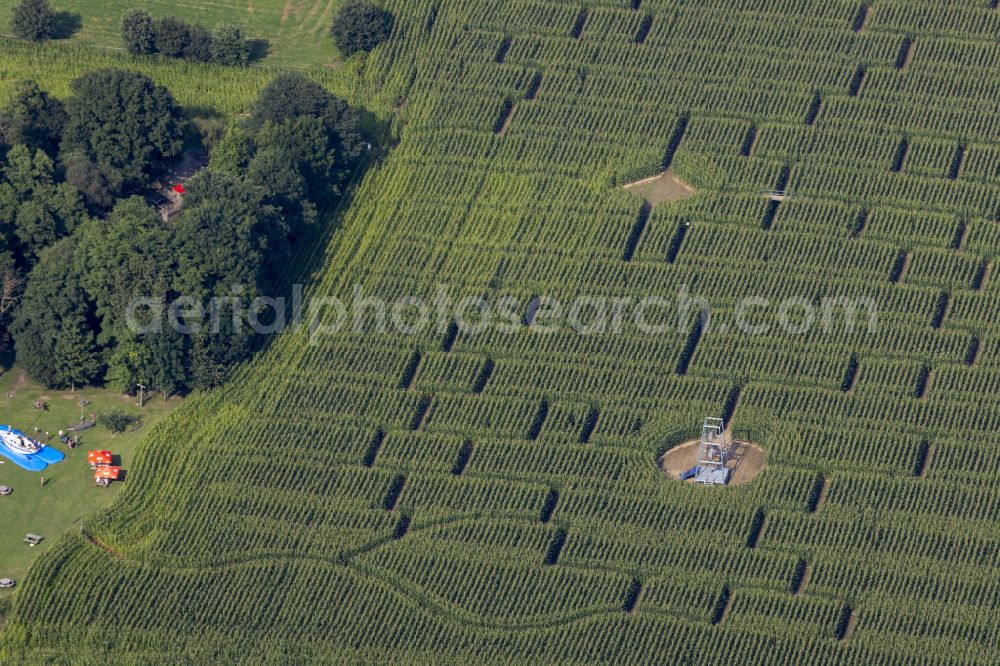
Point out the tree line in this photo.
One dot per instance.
(176, 38)
(359, 25)
(76, 249)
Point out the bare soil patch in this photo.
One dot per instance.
(818, 496)
(801, 579)
(863, 18)
(505, 120)
(745, 459)
(664, 187)
(909, 56)
(845, 625)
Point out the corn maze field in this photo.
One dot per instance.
(493, 496)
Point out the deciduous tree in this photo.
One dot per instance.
(360, 25)
(33, 19)
(34, 208)
(33, 118)
(171, 35)
(122, 260)
(137, 32)
(200, 45)
(53, 340)
(229, 46)
(123, 123)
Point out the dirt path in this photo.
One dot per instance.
(103, 546)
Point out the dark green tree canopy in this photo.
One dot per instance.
(11, 288)
(123, 122)
(156, 360)
(116, 420)
(33, 19)
(169, 371)
(233, 242)
(228, 235)
(137, 32)
(276, 172)
(174, 37)
(297, 162)
(97, 185)
(54, 339)
(129, 256)
(34, 209)
(200, 45)
(229, 46)
(293, 95)
(94, 284)
(171, 35)
(233, 152)
(214, 355)
(127, 264)
(307, 143)
(33, 118)
(360, 25)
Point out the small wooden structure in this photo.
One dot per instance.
(776, 195)
(167, 196)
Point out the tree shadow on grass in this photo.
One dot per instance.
(259, 49)
(375, 129)
(6, 354)
(202, 112)
(65, 25)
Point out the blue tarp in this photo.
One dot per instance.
(684, 476)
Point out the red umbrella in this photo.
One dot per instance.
(179, 188)
(96, 458)
(107, 473)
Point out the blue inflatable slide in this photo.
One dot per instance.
(26, 452)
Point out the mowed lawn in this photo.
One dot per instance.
(297, 31)
(69, 494)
